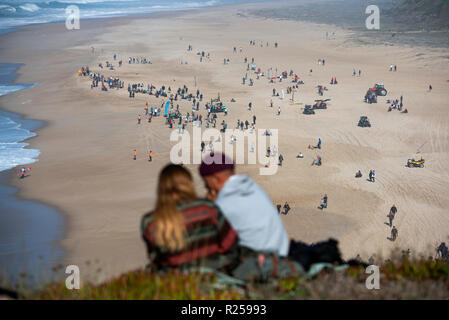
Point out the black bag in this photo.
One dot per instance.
(324, 251)
(306, 255)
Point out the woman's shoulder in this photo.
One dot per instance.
(201, 202)
(199, 206)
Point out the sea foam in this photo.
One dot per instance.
(30, 7)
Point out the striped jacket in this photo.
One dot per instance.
(210, 241)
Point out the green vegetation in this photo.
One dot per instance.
(141, 285)
(403, 279)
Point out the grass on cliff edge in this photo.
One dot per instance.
(405, 279)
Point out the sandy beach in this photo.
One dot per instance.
(86, 171)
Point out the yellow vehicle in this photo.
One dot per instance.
(411, 163)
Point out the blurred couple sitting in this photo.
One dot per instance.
(236, 230)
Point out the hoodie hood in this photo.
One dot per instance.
(238, 184)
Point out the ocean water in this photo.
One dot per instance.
(12, 151)
(12, 133)
(17, 12)
(29, 231)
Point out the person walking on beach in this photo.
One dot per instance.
(394, 233)
(150, 156)
(135, 154)
(392, 213)
(23, 171)
(139, 118)
(443, 251)
(286, 208)
(372, 175)
(323, 202)
(281, 159)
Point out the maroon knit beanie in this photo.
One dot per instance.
(215, 162)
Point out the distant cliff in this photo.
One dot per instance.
(423, 14)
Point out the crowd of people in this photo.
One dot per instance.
(106, 82)
(397, 104)
(138, 60)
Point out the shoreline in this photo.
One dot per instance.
(16, 256)
(110, 217)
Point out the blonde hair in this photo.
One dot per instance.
(174, 181)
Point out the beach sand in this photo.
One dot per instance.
(86, 170)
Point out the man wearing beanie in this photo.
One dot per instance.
(245, 204)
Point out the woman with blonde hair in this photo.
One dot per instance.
(185, 231)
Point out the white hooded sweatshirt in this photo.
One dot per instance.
(252, 214)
